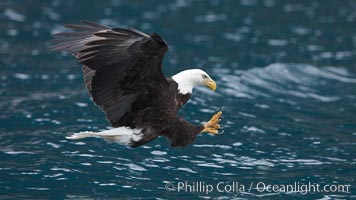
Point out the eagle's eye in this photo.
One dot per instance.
(204, 76)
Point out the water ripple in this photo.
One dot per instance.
(285, 79)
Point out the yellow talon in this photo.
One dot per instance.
(212, 125)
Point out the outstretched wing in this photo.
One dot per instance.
(119, 65)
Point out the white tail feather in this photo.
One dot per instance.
(121, 135)
(81, 135)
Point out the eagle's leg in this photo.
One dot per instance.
(212, 125)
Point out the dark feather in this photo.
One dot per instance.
(71, 34)
(113, 35)
(110, 53)
(93, 24)
(81, 27)
(103, 42)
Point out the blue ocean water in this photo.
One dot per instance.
(286, 78)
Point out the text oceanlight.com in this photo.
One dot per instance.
(261, 187)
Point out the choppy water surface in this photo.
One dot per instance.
(286, 79)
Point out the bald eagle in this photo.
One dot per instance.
(122, 71)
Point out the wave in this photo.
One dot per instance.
(295, 80)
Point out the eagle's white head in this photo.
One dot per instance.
(188, 79)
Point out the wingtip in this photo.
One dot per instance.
(159, 39)
(57, 34)
(83, 21)
(94, 24)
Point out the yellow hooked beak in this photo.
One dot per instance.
(210, 84)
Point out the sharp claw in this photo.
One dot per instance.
(220, 109)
